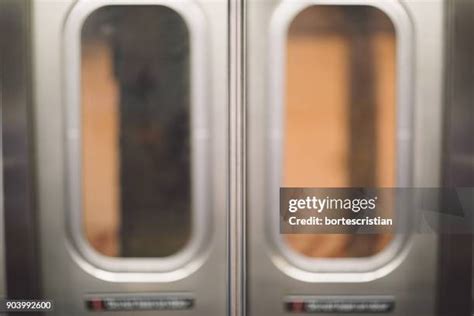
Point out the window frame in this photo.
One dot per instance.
(191, 256)
(289, 260)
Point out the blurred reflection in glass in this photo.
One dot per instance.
(340, 113)
(135, 131)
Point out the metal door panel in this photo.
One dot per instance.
(411, 277)
(67, 277)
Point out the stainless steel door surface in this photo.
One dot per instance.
(121, 81)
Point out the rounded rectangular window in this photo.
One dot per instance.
(137, 134)
(340, 116)
(136, 131)
(340, 112)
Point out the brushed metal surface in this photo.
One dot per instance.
(410, 282)
(66, 278)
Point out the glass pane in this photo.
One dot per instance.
(136, 131)
(340, 113)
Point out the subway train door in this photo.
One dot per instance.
(162, 130)
(130, 132)
(341, 93)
